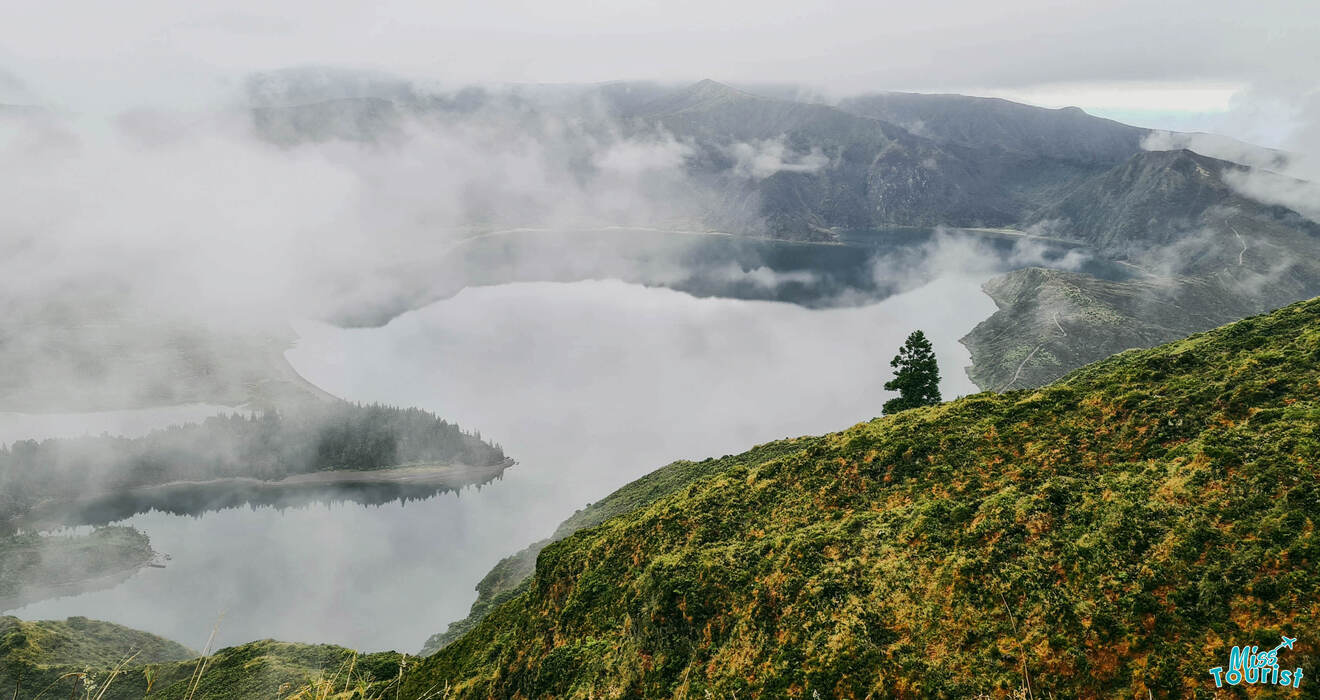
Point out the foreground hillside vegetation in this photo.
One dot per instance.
(1112, 534)
(84, 658)
(510, 576)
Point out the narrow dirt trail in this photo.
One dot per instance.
(1018, 374)
(1241, 240)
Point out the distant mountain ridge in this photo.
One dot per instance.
(1154, 196)
(806, 170)
(885, 159)
(1067, 133)
(877, 172)
(1202, 255)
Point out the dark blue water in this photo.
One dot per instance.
(860, 267)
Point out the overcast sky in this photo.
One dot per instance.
(1183, 63)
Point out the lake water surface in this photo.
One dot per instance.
(587, 384)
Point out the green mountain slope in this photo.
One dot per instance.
(80, 641)
(1113, 534)
(88, 658)
(508, 577)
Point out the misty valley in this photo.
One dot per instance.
(301, 451)
(585, 390)
(555, 337)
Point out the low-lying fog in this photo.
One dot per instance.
(588, 385)
(129, 423)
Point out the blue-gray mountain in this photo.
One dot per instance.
(1197, 252)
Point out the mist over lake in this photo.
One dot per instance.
(588, 385)
(665, 351)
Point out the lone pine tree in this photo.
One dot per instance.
(916, 375)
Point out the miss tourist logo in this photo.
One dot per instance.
(1252, 666)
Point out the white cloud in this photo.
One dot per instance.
(1216, 146)
(761, 159)
(1301, 196)
(1180, 96)
(193, 217)
(636, 158)
(155, 51)
(1288, 176)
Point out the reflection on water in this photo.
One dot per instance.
(859, 268)
(370, 488)
(588, 385)
(333, 572)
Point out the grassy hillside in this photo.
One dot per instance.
(86, 658)
(1110, 535)
(508, 577)
(40, 656)
(81, 641)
